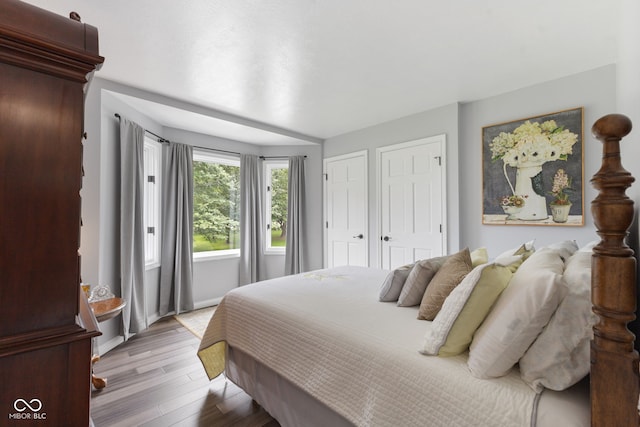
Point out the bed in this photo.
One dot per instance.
(321, 348)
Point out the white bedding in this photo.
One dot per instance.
(363, 362)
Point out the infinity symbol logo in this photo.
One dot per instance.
(21, 405)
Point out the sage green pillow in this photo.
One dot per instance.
(493, 280)
(479, 256)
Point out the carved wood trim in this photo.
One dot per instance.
(615, 380)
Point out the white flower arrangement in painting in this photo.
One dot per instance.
(533, 143)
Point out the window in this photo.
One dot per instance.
(276, 179)
(216, 205)
(152, 162)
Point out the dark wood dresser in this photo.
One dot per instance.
(46, 325)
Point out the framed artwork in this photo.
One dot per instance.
(533, 171)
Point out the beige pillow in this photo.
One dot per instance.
(392, 286)
(419, 277)
(455, 268)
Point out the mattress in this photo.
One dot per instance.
(326, 333)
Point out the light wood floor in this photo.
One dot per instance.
(155, 379)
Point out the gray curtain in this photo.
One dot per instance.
(176, 259)
(251, 219)
(134, 315)
(293, 261)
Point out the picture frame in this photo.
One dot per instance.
(533, 170)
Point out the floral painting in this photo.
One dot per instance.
(533, 170)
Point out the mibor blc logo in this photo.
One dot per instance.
(27, 410)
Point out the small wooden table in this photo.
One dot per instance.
(104, 310)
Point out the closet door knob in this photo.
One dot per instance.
(359, 236)
(386, 238)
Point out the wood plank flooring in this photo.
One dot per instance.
(156, 379)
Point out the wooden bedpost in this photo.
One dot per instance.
(615, 381)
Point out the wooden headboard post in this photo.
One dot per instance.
(615, 380)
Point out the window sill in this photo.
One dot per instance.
(152, 265)
(272, 251)
(218, 255)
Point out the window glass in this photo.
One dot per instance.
(216, 204)
(277, 180)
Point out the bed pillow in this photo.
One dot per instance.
(465, 308)
(455, 268)
(519, 315)
(479, 256)
(392, 286)
(524, 250)
(565, 248)
(418, 279)
(560, 356)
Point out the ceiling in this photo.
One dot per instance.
(300, 71)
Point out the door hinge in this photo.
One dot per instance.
(268, 188)
(151, 230)
(439, 160)
(326, 224)
(268, 226)
(440, 228)
(151, 179)
(326, 177)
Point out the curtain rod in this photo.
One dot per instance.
(162, 140)
(275, 157)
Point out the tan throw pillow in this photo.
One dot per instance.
(419, 277)
(446, 279)
(390, 290)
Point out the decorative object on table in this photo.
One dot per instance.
(560, 205)
(520, 159)
(100, 292)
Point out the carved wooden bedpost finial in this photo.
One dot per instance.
(615, 381)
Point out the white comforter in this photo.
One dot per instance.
(327, 332)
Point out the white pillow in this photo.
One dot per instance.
(519, 315)
(565, 249)
(560, 356)
(526, 249)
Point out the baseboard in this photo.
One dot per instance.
(207, 303)
(110, 345)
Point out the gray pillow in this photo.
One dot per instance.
(418, 279)
(392, 285)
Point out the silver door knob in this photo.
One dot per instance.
(359, 236)
(386, 238)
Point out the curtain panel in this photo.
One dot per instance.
(251, 220)
(294, 255)
(176, 259)
(132, 259)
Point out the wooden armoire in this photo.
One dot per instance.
(46, 325)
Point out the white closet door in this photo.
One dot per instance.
(412, 201)
(346, 216)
